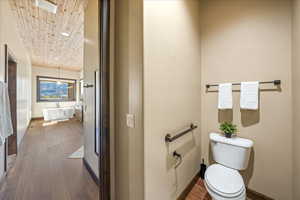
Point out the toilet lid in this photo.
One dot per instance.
(225, 181)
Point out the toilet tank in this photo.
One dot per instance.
(231, 152)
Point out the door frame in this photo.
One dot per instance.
(9, 56)
(104, 73)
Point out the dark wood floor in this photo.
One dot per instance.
(43, 171)
(198, 192)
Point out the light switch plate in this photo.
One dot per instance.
(130, 121)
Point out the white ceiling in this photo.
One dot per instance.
(41, 32)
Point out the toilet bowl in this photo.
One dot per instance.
(223, 180)
(223, 183)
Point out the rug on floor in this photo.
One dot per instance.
(77, 154)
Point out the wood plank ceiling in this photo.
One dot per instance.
(41, 32)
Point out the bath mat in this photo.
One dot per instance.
(77, 154)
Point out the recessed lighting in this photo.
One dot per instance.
(65, 34)
(46, 5)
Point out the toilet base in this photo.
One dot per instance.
(216, 196)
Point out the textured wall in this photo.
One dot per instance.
(296, 97)
(9, 35)
(172, 94)
(248, 40)
(91, 64)
(129, 99)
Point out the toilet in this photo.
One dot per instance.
(223, 180)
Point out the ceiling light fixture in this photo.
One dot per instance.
(46, 5)
(65, 34)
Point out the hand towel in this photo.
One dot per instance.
(225, 96)
(249, 95)
(6, 128)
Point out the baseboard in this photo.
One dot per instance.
(250, 193)
(91, 172)
(2, 179)
(26, 131)
(37, 118)
(189, 188)
(256, 195)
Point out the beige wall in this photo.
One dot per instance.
(248, 40)
(37, 107)
(172, 94)
(112, 102)
(239, 40)
(9, 35)
(296, 97)
(91, 64)
(129, 99)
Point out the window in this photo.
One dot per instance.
(55, 89)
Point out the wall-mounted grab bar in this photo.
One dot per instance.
(169, 138)
(275, 82)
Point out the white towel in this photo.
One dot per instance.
(6, 128)
(249, 95)
(225, 96)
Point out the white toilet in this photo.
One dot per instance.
(222, 180)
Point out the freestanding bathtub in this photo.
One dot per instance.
(58, 113)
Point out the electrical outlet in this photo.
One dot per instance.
(130, 121)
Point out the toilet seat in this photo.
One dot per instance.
(224, 181)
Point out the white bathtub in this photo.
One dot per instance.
(58, 113)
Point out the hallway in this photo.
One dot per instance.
(43, 170)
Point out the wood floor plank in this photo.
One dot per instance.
(198, 192)
(43, 170)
